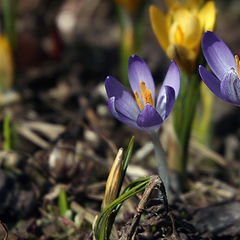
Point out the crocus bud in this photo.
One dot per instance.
(114, 179)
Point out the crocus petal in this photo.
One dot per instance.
(185, 28)
(207, 16)
(159, 25)
(211, 81)
(192, 31)
(172, 79)
(218, 55)
(119, 116)
(166, 102)
(149, 117)
(139, 71)
(170, 95)
(230, 87)
(124, 101)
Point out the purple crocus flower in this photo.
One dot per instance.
(225, 82)
(142, 111)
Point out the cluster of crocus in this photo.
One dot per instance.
(142, 111)
(179, 31)
(225, 82)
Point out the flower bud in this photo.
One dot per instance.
(114, 179)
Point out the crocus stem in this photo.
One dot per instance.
(127, 38)
(7, 146)
(138, 22)
(183, 121)
(190, 105)
(131, 26)
(161, 161)
(203, 116)
(9, 14)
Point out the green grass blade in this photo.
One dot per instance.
(62, 202)
(7, 133)
(103, 217)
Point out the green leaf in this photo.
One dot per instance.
(100, 230)
(7, 132)
(126, 160)
(62, 202)
(10, 19)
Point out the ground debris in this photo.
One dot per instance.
(219, 220)
(3, 231)
(15, 200)
(154, 219)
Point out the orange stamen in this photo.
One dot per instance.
(138, 100)
(145, 95)
(143, 89)
(148, 97)
(237, 65)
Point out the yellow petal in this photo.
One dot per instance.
(207, 16)
(159, 25)
(179, 35)
(176, 35)
(180, 15)
(6, 64)
(186, 29)
(192, 32)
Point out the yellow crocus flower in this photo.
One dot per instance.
(129, 5)
(179, 31)
(6, 64)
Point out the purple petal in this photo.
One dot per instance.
(139, 71)
(149, 117)
(124, 101)
(218, 55)
(172, 79)
(166, 102)
(119, 116)
(230, 87)
(211, 81)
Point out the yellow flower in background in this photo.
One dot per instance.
(130, 5)
(6, 64)
(180, 30)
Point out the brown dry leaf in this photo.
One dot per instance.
(49, 130)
